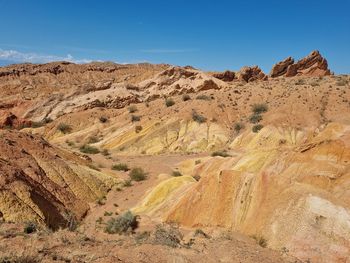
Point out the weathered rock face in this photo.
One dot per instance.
(249, 74)
(37, 183)
(226, 76)
(290, 187)
(10, 120)
(280, 68)
(312, 65)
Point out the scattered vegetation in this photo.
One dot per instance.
(138, 128)
(64, 128)
(260, 108)
(93, 139)
(103, 119)
(138, 174)
(255, 118)
(127, 183)
(169, 102)
(106, 213)
(186, 97)
(132, 109)
(341, 82)
(120, 167)
(300, 82)
(176, 173)
(220, 153)
(101, 200)
(203, 97)
(30, 227)
(123, 224)
(135, 118)
(238, 126)
(257, 128)
(168, 236)
(89, 149)
(105, 152)
(261, 241)
(198, 118)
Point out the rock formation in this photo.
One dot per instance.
(38, 184)
(312, 65)
(226, 76)
(249, 74)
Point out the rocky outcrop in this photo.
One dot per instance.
(10, 120)
(312, 65)
(249, 74)
(226, 76)
(38, 184)
(281, 68)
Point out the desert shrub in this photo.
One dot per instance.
(200, 232)
(198, 118)
(261, 241)
(138, 128)
(89, 149)
(137, 174)
(37, 124)
(142, 237)
(300, 82)
(64, 128)
(169, 102)
(203, 97)
(255, 118)
(122, 224)
(186, 97)
(106, 213)
(132, 109)
(135, 118)
(19, 259)
(176, 173)
(220, 153)
(127, 183)
(30, 227)
(120, 167)
(197, 162)
(103, 119)
(257, 128)
(93, 139)
(105, 152)
(260, 108)
(238, 126)
(101, 200)
(168, 236)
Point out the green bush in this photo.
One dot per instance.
(257, 128)
(260, 108)
(30, 227)
(137, 174)
(64, 128)
(120, 167)
(238, 126)
(89, 149)
(103, 119)
(168, 236)
(122, 224)
(186, 97)
(176, 173)
(198, 118)
(255, 118)
(93, 139)
(135, 118)
(169, 102)
(220, 153)
(203, 97)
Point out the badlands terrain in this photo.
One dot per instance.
(103, 162)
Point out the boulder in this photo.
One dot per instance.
(281, 68)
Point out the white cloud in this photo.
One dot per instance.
(20, 57)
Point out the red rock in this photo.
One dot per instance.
(249, 74)
(225, 76)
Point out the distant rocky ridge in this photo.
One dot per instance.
(313, 65)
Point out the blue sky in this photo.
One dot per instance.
(211, 35)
